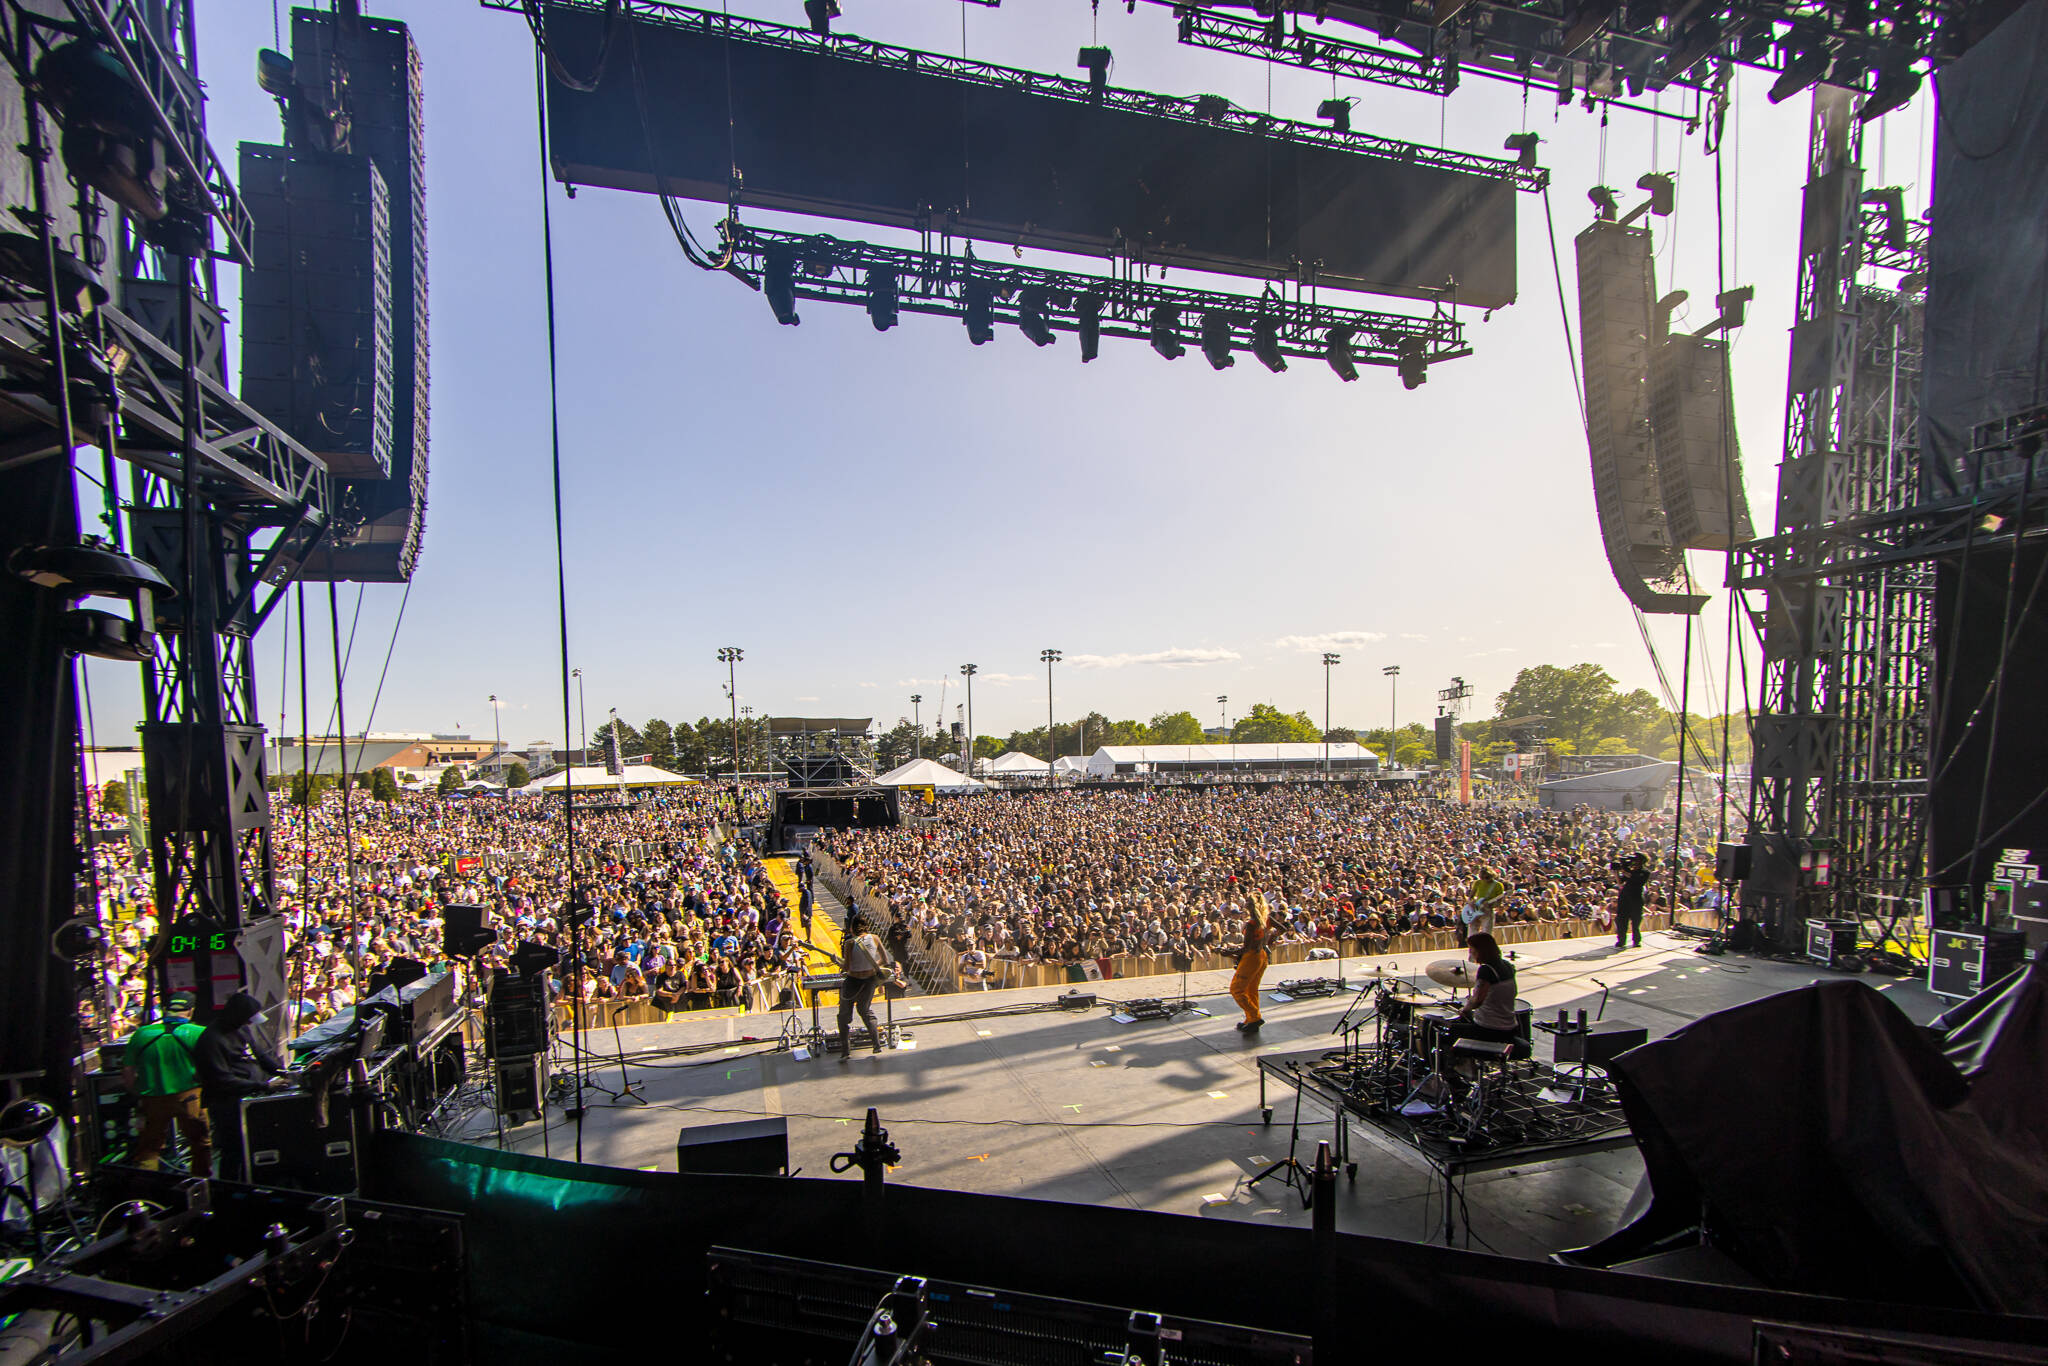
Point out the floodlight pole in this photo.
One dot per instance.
(1393, 673)
(582, 712)
(917, 723)
(970, 670)
(1051, 657)
(1328, 661)
(1223, 705)
(730, 656)
(497, 748)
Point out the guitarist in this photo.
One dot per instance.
(1254, 934)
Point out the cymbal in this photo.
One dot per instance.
(1451, 972)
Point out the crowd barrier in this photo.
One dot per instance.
(936, 965)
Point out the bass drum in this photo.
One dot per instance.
(1525, 1029)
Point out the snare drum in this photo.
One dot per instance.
(1398, 1008)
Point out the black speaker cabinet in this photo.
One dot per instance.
(748, 1147)
(522, 1084)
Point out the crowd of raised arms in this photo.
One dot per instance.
(1090, 875)
(682, 915)
(689, 918)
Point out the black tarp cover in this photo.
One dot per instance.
(1838, 1149)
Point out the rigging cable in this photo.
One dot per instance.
(348, 843)
(378, 696)
(574, 909)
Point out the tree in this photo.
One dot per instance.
(515, 776)
(114, 799)
(660, 738)
(383, 786)
(1176, 728)
(451, 778)
(987, 746)
(1342, 735)
(630, 740)
(1580, 701)
(1267, 725)
(1614, 744)
(1412, 755)
(899, 745)
(319, 783)
(690, 748)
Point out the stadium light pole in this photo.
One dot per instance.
(1223, 704)
(582, 712)
(748, 712)
(1051, 657)
(970, 670)
(497, 745)
(730, 656)
(1393, 675)
(917, 723)
(1329, 660)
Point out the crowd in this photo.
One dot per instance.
(1078, 876)
(684, 915)
(680, 914)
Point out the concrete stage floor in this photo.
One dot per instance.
(1155, 1114)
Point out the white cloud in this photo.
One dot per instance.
(999, 680)
(1481, 654)
(1410, 635)
(1330, 640)
(1177, 658)
(805, 699)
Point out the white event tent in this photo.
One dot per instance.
(1343, 757)
(1016, 761)
(929, 772)
(636, 775)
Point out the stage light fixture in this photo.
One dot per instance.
(821, 13)
(1032, 304)
(1216, 339)
(1166, 331)
(981, 313)
(1210, 108)
(1753, 43)
(1893, 89)
(778, 284)
(274, 74)
(1413, 366)
(1337, 351)
(1803, 69)
(1337, 113)
(1266, 343)
(882, 301)
(1088, 316)
(1605, 206)
(1663, 193)
(1523, 145)
(1095, 61)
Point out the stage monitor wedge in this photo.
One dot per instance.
(844, 129)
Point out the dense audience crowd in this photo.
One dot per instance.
(685, 916)
(679, 914)
(1075, 876)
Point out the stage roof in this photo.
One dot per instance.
(819, 725)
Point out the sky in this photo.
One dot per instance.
(862, 513)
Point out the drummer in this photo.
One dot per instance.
(1489, 1013)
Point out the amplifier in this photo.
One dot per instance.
(417, 1010)
(1599, 1044)
(288, 1146)
(749, 1147)
(522, 1085)
(1961, 963)
(1077, 1000)
(517, 1024)
(1828, 941)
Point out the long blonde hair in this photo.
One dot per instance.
(1257, 911)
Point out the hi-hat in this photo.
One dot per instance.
(1451, 972)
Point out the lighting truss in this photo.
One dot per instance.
(126, 31)
(1607, 51)
(1199, 109)
(834, 270)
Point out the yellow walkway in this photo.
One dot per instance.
(825, 934)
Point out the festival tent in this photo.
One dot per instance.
(929, 772)
(1016, 761)
(635, 775)
(1071, 766)
(1344, 756)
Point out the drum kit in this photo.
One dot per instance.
(1410, 1067)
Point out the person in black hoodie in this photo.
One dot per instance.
(232, 1067)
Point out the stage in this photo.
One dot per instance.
(1156, 1114)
